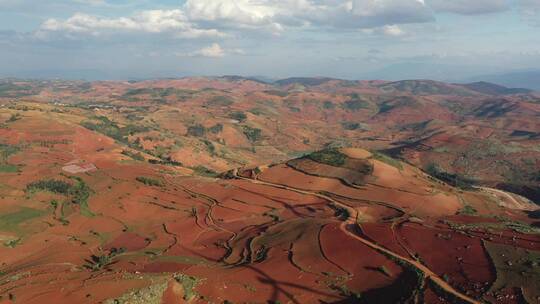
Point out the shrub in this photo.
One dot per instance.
(216, 128)
(387, 160)
(188, 284)
(135, 156)
(7, 150)
(350, 125)
(355, 105)
(196, 130)
(14, 117)
(149, 181)
(328, 105)
(240, 116)
(52, 185)
(203, 171)
(220, 101)
(467, 210)
(252, 134)
(332, 157)
(454, 179)
(109, 128)
(102, 261)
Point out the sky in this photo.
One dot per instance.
(351, 39)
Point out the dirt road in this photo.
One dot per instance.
(352, 221)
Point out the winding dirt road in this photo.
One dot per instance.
(352, 222)
(516, 204)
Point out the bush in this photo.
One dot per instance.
(216, 128)
(330, 157)
(203, 171)
(14, 117)
(328, 105)
(252, 134)
(149, 181)
(387, 160)
(109, 128)
(453, 179)
(220, 101)
(196, 130)
(350, 125)
(240, 116)
(52, 185)
(467, 210)
(355, 105)
(135, 156)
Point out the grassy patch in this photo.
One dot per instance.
(188, 284)
(504, 224)
(467, 210)
(11, 221)
(203, 171)
(81, 193)
(135, 156)
(7, 168)
(387, 160)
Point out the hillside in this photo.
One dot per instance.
(229, 190)
(86, 219)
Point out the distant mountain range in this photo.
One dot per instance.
(521, 79)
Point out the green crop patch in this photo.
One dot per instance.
(11, 221)
(7, 168)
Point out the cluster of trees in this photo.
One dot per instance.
(454, 179)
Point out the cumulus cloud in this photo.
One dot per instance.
(213, 51)
(211, 18)
(214, 18)
(241, 12)
(151, 21)
(278, 14)
(387, 30)
(468, 7)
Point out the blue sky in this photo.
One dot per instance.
(355, 39)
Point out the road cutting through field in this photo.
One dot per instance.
(351, 220)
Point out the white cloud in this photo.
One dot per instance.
(468, 7)
(392, 30)
(278, 14)
(151, 21)
(213, 51)
(214, 18)
(92, 2)
(387, 30)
